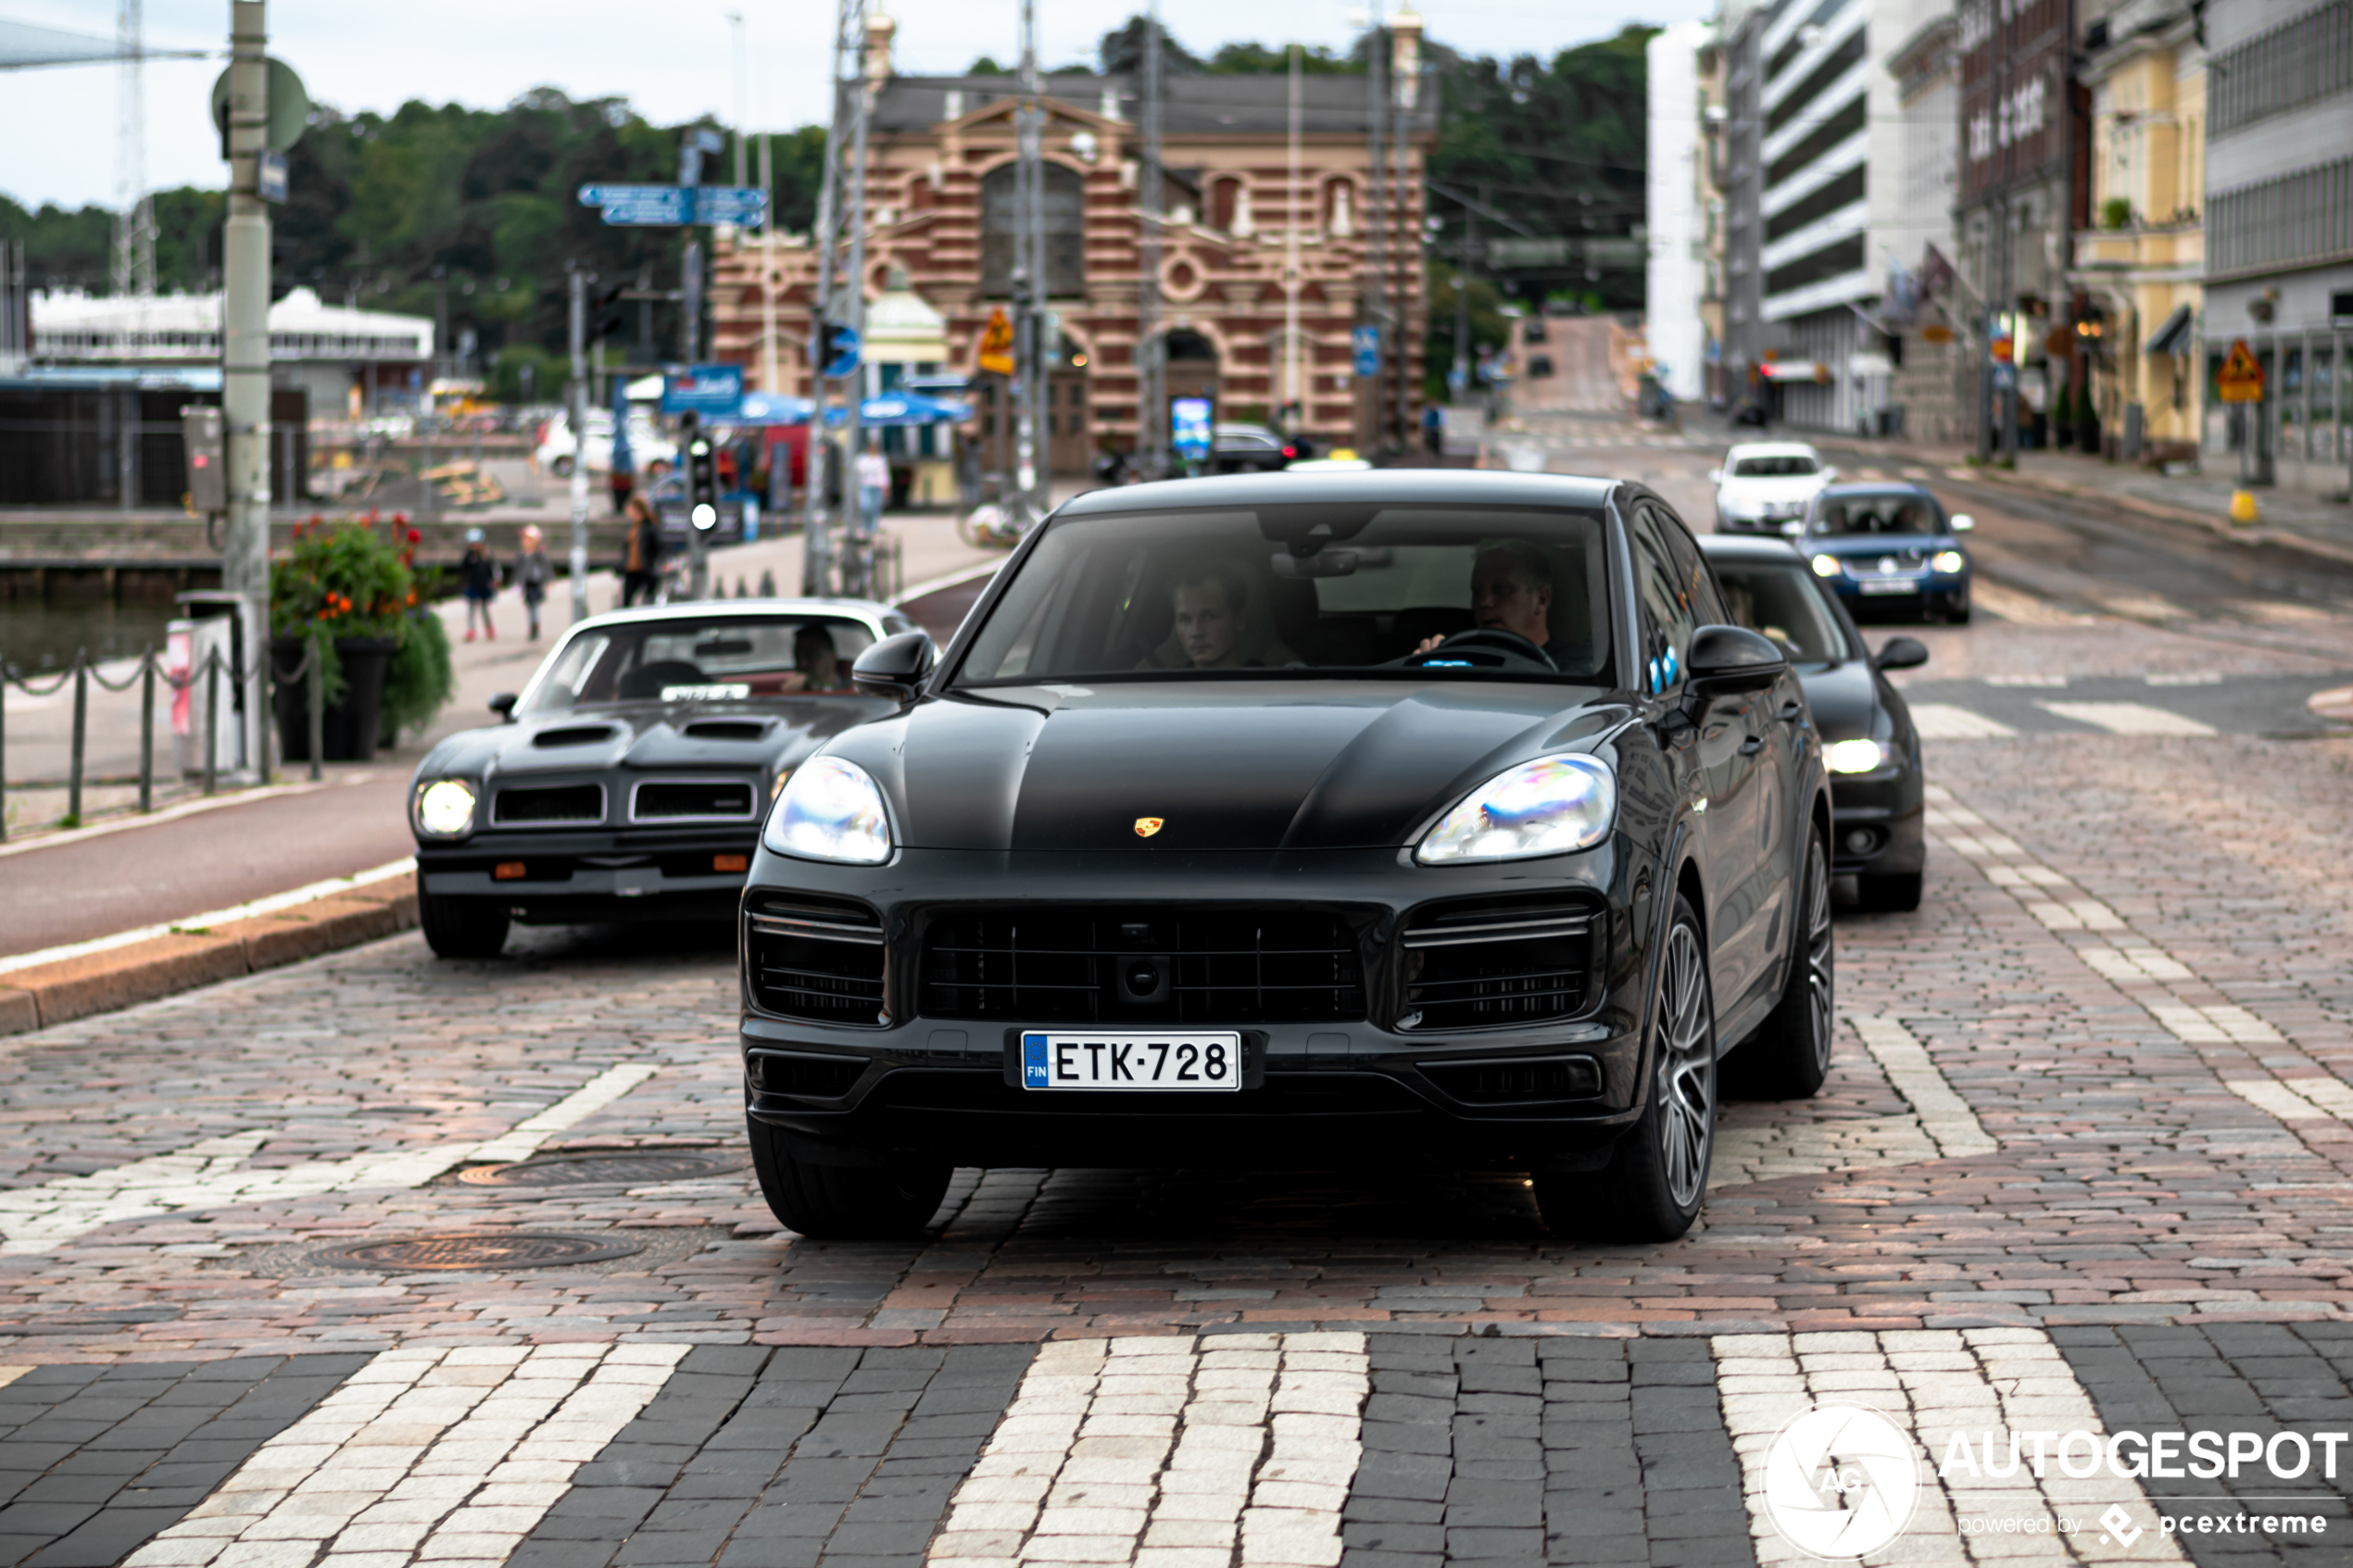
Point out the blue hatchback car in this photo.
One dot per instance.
(1889, 546)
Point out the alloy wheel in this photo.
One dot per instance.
(1686, 1086)
(1821, 955)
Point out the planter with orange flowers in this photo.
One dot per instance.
(345, 592)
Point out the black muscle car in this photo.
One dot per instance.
(1391, 817)
(630, 777)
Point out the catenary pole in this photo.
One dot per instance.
(849, 31)
(244, 379)
(1030, 287)
(1151, 345)
(576, 410)
(1294, 403)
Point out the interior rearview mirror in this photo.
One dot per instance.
(896, 667)
(1963, 522)
(1900, 653)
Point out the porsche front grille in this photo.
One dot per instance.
(1483, 965)
(815, 958)
(1193, 965)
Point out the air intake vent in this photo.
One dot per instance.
(1489, 965)
(577, 735)
(825, 1077)
(726, 729)
(816, 959)
(1505, 1082)
(1197, 966)
(550, 807)
(691, 801)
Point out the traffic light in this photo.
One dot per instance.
(702, 477)
(609, 316)
(200, 432)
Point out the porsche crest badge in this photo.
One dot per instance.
(1147, 826)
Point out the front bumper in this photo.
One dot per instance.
(594, 876)
(1925, 590)
(1876, 821)
(1369, 1089)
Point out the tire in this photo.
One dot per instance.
(843, 1202)
(462, 928)
(1959, 614)
(1656, 1179)
(1790, 1054)
(1896, 893)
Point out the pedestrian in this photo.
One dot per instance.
(532, 573)
(1434, 429)
(874, 480)
(478, 580)
(641, 552)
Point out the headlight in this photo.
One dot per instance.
(1827, 566)
(446, 807)
(1552, 806)
(1948, 560)
(831, 810)
(1853, 755)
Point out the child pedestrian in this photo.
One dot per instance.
(478, 579)
(532, 573)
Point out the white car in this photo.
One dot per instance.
(646, 443)
(1766, 484)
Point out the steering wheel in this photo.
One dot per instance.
(1484, 647)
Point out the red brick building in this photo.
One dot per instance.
(940, 205)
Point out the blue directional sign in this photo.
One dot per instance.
(670, 205)
(1367, 343)
(712, 390)
(744, 205)
(843, 348)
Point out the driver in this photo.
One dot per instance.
(815, 661)
(1511, 591)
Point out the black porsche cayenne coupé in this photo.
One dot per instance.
(1387, 817)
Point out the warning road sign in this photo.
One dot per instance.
(2242, 377)
(997, 344)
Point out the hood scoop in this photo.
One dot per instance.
(576, 735)
(726, 729)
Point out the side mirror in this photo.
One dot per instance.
(1829, 476)
(895, 667)
(1732, 659)
(503, 704)
(1900, 653)
(1715, 476)
(1962, 522)
(1794, 528)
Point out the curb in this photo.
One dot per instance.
(44, 995)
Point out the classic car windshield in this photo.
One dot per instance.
(1896, 512)
(1779, 599)
(1307, 587)
(716, 658)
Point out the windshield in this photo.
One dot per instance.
(1779, 599)
(1784, 467)
(1898, 512)
(1315, 586)
(714, 658)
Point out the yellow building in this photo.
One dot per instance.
(2142, 260)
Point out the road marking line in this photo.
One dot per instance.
(2128, 718)
(1947, 1387)
(1944, 1114)
(2026, 680)
(2193, 678)
(269, 906)
(423, 1454)
(2271, 1094)
(1943, 720)
(212, 1173)
(1167, 1453)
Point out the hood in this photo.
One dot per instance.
(1909, 549)
(1257, 765)
(1845, 698)
(653, 734)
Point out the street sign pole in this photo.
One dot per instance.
(244, 380)
(577, 409)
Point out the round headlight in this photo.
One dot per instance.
(1852, 755)
(446, 807)
(1948, 560)
(1552, 806)
(1827, 566)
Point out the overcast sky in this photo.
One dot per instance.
(673, 59)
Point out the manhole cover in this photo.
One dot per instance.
(473, 1249)
(630, 1167)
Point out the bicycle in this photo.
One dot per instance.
(999, 522)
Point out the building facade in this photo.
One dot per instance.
(2143, 260)
(1676, 291)
(2279, 225)
(1237, 210)
(1926, 323)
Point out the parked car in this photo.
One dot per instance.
(646, 443)
(1409, 816)
(1246, 448)
(1766, 483)
(1889, 546)
(1877, 780)
(629, 778)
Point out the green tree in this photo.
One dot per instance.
(1489, 328)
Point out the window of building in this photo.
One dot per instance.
(1065, 203)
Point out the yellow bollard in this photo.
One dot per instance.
(2242, 508)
